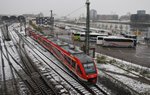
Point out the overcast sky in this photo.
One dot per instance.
(65, 7)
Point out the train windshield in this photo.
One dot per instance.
(87, 62)
(89, 68)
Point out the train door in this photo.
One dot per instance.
(67, 61)
(78, 70)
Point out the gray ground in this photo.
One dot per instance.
(139, 55)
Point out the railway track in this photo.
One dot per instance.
(39, 79)
(4, 87)
(124, 71)
(130, 89)
(97, 89)
(6, 58)
(119, 83)
(69, 79)
(83, 88)
(32, 84)
(140, 76)
(71, 83)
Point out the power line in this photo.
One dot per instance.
(74, 11)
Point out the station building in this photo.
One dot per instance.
(141, 30)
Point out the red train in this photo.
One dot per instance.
(72, 57)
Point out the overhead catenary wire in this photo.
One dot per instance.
(22, 37)
(27, 69)
(37, 72)
(3, 71)
(24, 71)
(5, 88)
(43, 93)
(21, 76)
(18, 62)
(25, 40)
(35, 67)
(74, 11)
(10, 65)
(4, 91)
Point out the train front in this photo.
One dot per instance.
(89, 68)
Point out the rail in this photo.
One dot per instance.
(81, 83)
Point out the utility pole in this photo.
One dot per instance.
(87, 28)
(52, 22)
(25, 27)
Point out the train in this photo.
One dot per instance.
(80, 64)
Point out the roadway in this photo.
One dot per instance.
(139, 55)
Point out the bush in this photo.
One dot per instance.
(101, 59)
(144, 72)
(35, 27)
(112, 61)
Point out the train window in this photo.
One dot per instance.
(45, 43)
(73, 64)
(89, 68)
(79, 70)
(57, 52)
(68, 59)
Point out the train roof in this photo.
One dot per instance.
(83, 57)
(69, 48)
(74, 50)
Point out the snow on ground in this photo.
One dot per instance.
(48, 54)
(13, 52)
(129, 64)
(136, 85)
(124, 76)
(109, 67)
